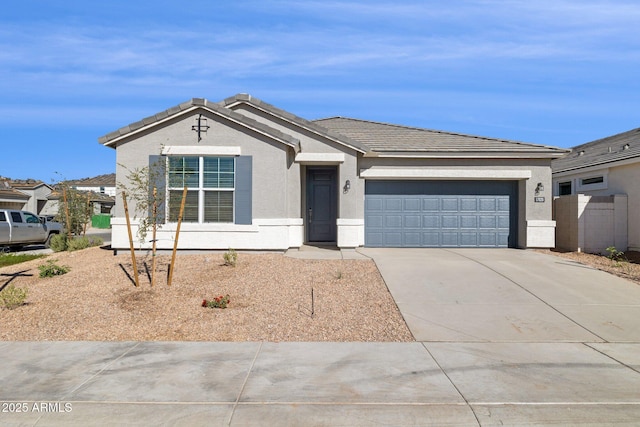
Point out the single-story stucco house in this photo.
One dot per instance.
(259, 177)
(599, 195)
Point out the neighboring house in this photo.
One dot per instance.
(29, 195)
(600, 170)
(100, 189)
(102, 184)
(259, 177)
(10, 198)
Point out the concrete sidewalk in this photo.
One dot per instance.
(336, 384)
(505, 337)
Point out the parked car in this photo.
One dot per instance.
(21, 228)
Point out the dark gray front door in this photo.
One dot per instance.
(322, 204)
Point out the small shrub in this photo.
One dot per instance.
(59, 242)
(230, 257)
(13, 297)
(615, 255)
(51, 269)
(83, 243)
(217, 302)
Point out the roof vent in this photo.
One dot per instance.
(610, 149)
(626, 147)
(581, 153)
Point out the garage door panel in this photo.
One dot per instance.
(412, 204)
(431, 239)
(430, 221)
(468, 204)
(393, 221)
(393, 204)
(374, 221)
(420, 219)
(486, 204)
(374, 204)
(468, 239)
(503, 221)
(449, 221)
(431, 204)
(487, 221)
(449, 204)
(413, 221)
(468, 221)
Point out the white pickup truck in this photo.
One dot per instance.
(20, 228)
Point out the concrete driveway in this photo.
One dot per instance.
(507, 295)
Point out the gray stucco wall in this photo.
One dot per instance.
(270, 179)
(350, 204)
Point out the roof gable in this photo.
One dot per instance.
(620, 147)
(389, 138)
(296, 120)
(188, 107)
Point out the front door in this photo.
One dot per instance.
(322, 204)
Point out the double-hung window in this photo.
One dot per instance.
(210, 183)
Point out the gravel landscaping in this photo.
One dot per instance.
(270, 300)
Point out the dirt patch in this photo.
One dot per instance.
(271, 300)
(628, 267)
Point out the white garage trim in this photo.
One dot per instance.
(419, 173)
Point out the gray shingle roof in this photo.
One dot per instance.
(211, 106)
(384, 137)
(622, 146)
(303, 123)
(107, 180)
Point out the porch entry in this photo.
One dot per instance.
(321, 204)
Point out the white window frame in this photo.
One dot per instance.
(595, 186)
(201, 189)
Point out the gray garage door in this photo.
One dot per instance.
(440, 213)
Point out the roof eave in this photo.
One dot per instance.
(111, 140)
(465, 154)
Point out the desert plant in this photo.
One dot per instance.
(217, 302)
(59, 242)
(51, 269)
(83, 243)
(12, 297)
(616, 256)
(230, 257)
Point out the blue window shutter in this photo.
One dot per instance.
(244, 171)
(158, 179)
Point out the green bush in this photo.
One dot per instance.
(58, 243)
(12, 297)
(84, 243)
(51, 269)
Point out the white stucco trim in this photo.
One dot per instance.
(200, 150)
(320, 158)
(350, 232)
(263, 234)
(541, 234)
(431, 173)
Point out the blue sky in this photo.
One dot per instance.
(556, 72)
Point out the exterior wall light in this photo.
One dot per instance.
(539, 188)
(347, 187)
